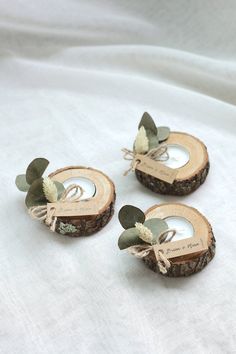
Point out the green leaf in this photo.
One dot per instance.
(129, 238)
(163, 133)
(148, 123)
(60, 189)
(157, 226)
(129, 215)
(36, 169)
(35, 195)
(21, 183)
(153, 142)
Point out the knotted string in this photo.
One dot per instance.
(142, 251)
(159, 153)
(41, 212)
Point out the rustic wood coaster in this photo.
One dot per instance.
(190, 176)
(99, 208)
(186, 264)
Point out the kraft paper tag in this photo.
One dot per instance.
(81, 208)
(156, 169)
(181, 247)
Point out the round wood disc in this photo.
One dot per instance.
(191, 263)
(103, 201)
(190, 176)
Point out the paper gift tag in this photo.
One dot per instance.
(182, 247)
(80, 208)
(155, 169)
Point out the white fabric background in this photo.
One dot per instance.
(75, 78)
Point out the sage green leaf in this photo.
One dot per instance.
(129, 238)
(148, 123)
(35, 195)
(157, 226)
(153, 142)
(36, 169)
(163, 133)
(129, 215)
(21, 183)
(60, 189)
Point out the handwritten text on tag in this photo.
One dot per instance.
(155, 169)
(182, 247)
(81, 208)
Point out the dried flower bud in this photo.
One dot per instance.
(141, 142)
(50, 190)
(145, 233)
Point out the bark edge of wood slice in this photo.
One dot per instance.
(190, 177)
(190, 264)
(105, 195)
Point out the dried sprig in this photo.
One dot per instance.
(50, 190)
(155, 135)
(138, 230)
(32, 183)
(145, 233)
(141, 143)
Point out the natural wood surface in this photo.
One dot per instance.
(190, 176)
(104, 199)
(188, 264)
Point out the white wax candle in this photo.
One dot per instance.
(87, 185)
(178, 156)
(184, 229)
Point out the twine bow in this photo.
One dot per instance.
(159, 153)
(40, 212)
(142, 251)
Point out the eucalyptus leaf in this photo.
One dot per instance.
(129, 215)
(153, 142)
(129, 238)
(163, 133)
(21, 183)
(157, 226)
(150, 134)
(60, 189)
(36, 169)
(148, 123)
(35, 195)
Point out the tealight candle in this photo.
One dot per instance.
(85, 183)
(178, 156)
(183, 228)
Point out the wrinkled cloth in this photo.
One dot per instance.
(76, 77)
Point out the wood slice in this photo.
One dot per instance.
(187, 264)
(104, 200)
(190, 176)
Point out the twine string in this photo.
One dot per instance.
(142, 251)
(71, 194)
(159, 153)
